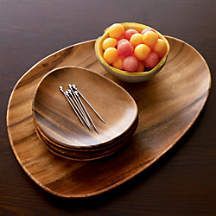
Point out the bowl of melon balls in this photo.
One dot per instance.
(132, 52)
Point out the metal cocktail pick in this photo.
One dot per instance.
(74, 88)
(80, 108)
(73, 96)
(74, 107)
(84, 109)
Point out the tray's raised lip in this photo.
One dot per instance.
(134, 173)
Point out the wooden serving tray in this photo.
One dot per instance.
(168, 105)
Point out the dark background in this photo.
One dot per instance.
(183, 182)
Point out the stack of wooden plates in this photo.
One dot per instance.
(60, 129)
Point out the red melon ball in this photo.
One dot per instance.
(130, 64)
(124, 48)
(122, 41)
(129, 33)
(152, 60)
(146, 29)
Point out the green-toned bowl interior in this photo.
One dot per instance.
(139, 27)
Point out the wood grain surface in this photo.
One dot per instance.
(55, 118)
(168, 105)
(182, 182)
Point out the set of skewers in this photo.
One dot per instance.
(75, 98)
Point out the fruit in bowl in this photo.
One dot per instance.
(132, 52)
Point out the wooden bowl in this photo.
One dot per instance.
(124, 75)
(54, 116)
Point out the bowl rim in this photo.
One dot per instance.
(122, 72)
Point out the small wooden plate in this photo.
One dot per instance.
(55, 118)
(168, 105)
(111, 145)
(88, 155)
(83, 156)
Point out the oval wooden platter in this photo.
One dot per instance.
(168, 105)
(54, 116)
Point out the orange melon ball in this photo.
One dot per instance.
(116, 30)
(142, 51)
(110, 55)
(141, 67)
(160, 47)
(109, 42)
(118, 63)
(136, 39)
(120, 38)
(150, 38)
